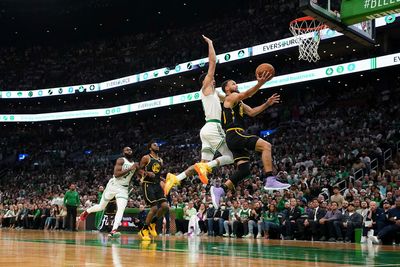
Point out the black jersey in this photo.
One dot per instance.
(233, 117)
(154, 166)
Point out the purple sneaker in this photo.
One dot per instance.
(273, 184)
(216, 194)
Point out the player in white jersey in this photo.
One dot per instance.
(116, 187)
(211, 134)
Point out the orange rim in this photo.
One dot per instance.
(308, 18)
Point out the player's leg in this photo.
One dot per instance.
(122, 201)
(108, 194)
(162, 208)
(265, 149)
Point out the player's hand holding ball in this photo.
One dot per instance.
(264, 73)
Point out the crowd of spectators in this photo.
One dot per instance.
(46, 66)
(318, 147)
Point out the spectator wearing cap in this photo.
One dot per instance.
(337, 197)
(350, 220)
(363, 194)
(393, 228)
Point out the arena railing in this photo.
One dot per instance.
(240, 54)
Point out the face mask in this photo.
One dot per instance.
(210, 206)
(222, 207)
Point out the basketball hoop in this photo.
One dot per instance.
(306, 30)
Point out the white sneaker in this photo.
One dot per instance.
(178, 233)
(374, 239)
(363, 240)
(248, 236)
(233, 235)
(225, 235)
(259, 236)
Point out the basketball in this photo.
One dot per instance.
(265, 67)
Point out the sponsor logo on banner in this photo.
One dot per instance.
(8, 94)
(81, 89)
(196, 96)
(189, 97)
(241, 54)
(19, 94)
(178, 68)
(92, 87)
(118, 82)
(227, 57)
(189, 66)
(50, 92)
(71, 89)
(166, 71)
(40, 93)
(145, 76)
(340, 69)
(30, 94)
(60, 91)
(155, 74)
(149, 104)
(202, 63)
(351, 67)
(329, 71)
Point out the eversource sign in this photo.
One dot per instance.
(304, 76)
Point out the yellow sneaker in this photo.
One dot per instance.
(152, 229)
(170, 182)
(202, 170)
(144, 234)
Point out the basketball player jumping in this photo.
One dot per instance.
(240, 143)
(150, 170)
(212, 135)
(116, 187)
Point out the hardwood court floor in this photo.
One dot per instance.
(45, 248)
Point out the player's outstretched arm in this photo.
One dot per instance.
(252, 112)
(212, 62)
(261, 80)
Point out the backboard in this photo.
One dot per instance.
(329, 12)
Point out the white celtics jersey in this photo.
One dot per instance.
(125, 180)
(211, 106)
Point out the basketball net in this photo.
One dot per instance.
(306, 30)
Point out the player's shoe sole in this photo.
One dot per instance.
(170, 182)
(202, 170)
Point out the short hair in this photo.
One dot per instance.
(336, 187)
(337, 204)
(149, 144)
(201, 78)
(224, 84)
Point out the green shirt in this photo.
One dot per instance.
(71, 198)
(244, 214)
(270, 217)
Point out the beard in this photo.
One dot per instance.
(128, 156)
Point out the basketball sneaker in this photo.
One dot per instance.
(152, 229)
(170, 182)
(83, 216)
(216, 194)
(273, 184)
(114, 234)
(202, 170)
(144, 234)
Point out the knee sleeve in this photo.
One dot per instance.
(242, 172)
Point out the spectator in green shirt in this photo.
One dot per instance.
(71, 202)
(270, 220)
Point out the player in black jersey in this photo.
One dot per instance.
(238, 141)
(150, 166)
